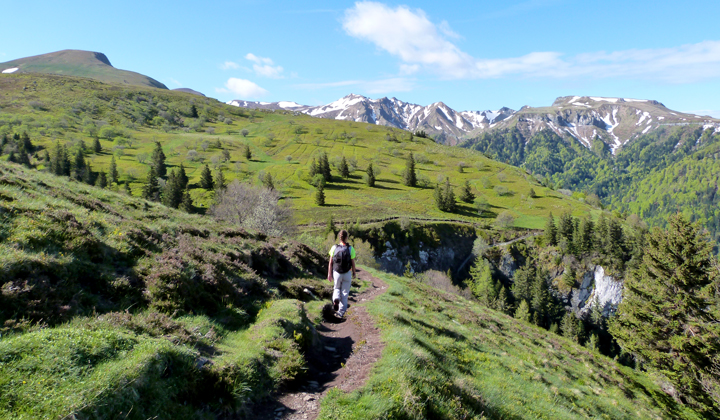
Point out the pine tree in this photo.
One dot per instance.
(344, 170)
(664, 316)
(448, 197)
(313, 169)
(566, 227)
(88, 175)
(532, 193)
(370, 176)
(113, 170)
(3, 142)
(587, 235)
(409, 177)
(22, 156)
(466, 194)
(151, 189)
(101, 180)
(523, 311)
(11, 157)
(247, 153)
(320, 196)
(522, 283)
(158, 161)
(324, 167)
(25, 143)
(79, 165)
(550, 231)
(182, 178)
(97, 147)
(128, 190)
(601, 233)
(46, 158)
(186, 204)
(206, 179)
(193, 111)
(220, 181)
(438, 196)
(481, 283)
(540, 302)
(173, 194)
(614, 240)
(569, 327)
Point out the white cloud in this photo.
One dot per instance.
(245, 89)
(175, 82)
(382, 86)
(265, 67)
(420, 44)
(229, 65)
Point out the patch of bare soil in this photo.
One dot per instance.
(347, 351)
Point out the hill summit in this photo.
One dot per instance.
(93, 65)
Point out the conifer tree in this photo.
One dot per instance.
(128, 190)
(344, 170)
(370, 175)
(22, 156)
(313, 169)
(97, 147)
(664, 316)
(522, 282)
(540, 302)
(550, 231)
(79, 165)
(88, 175)
(566, 227)
(182, 178)
(46, 158)
(523, 311)
(101, 180)
(532, 193)
(186, 204)
(448, 197)
(466, 194)
(11, 157)
(3, 142)
(193, 111)
(481, 283)
(206, 179)
(569, 327)
(409, 177)
(220, 180)
(151, 189)
(324, 167)
(25, 143)
(320, 196)
(587, 235)
(158, 160)
(247, 153)
(113, 170)
(171, 194)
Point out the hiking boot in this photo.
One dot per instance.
(336, 305)
(338, 315)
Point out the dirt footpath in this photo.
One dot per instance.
(343, 360)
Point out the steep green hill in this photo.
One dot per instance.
(93, 65)
(196, 131)
(672, 169)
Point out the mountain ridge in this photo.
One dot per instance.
(79, 63)
(615, 121)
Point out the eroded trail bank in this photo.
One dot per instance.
(344, 358)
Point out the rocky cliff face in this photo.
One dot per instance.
(597, 288)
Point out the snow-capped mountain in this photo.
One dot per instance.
(438, 120)
(615, 121)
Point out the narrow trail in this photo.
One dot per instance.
(344, 358)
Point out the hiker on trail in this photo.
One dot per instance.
(342, 262)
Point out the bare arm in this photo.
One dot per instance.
(353, 268)
(330, 277)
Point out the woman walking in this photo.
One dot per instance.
(342, 262)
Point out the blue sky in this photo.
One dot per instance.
(472, 55)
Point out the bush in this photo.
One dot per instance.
(254, 208)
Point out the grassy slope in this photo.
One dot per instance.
(110, 304)
(73, 109)
(448, 358)
(81, 64)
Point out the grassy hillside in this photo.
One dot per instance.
(111, 304)
(128, 121)
(673, 169)
(78, 63)
(449, 358)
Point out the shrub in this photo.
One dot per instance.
(254, 208)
